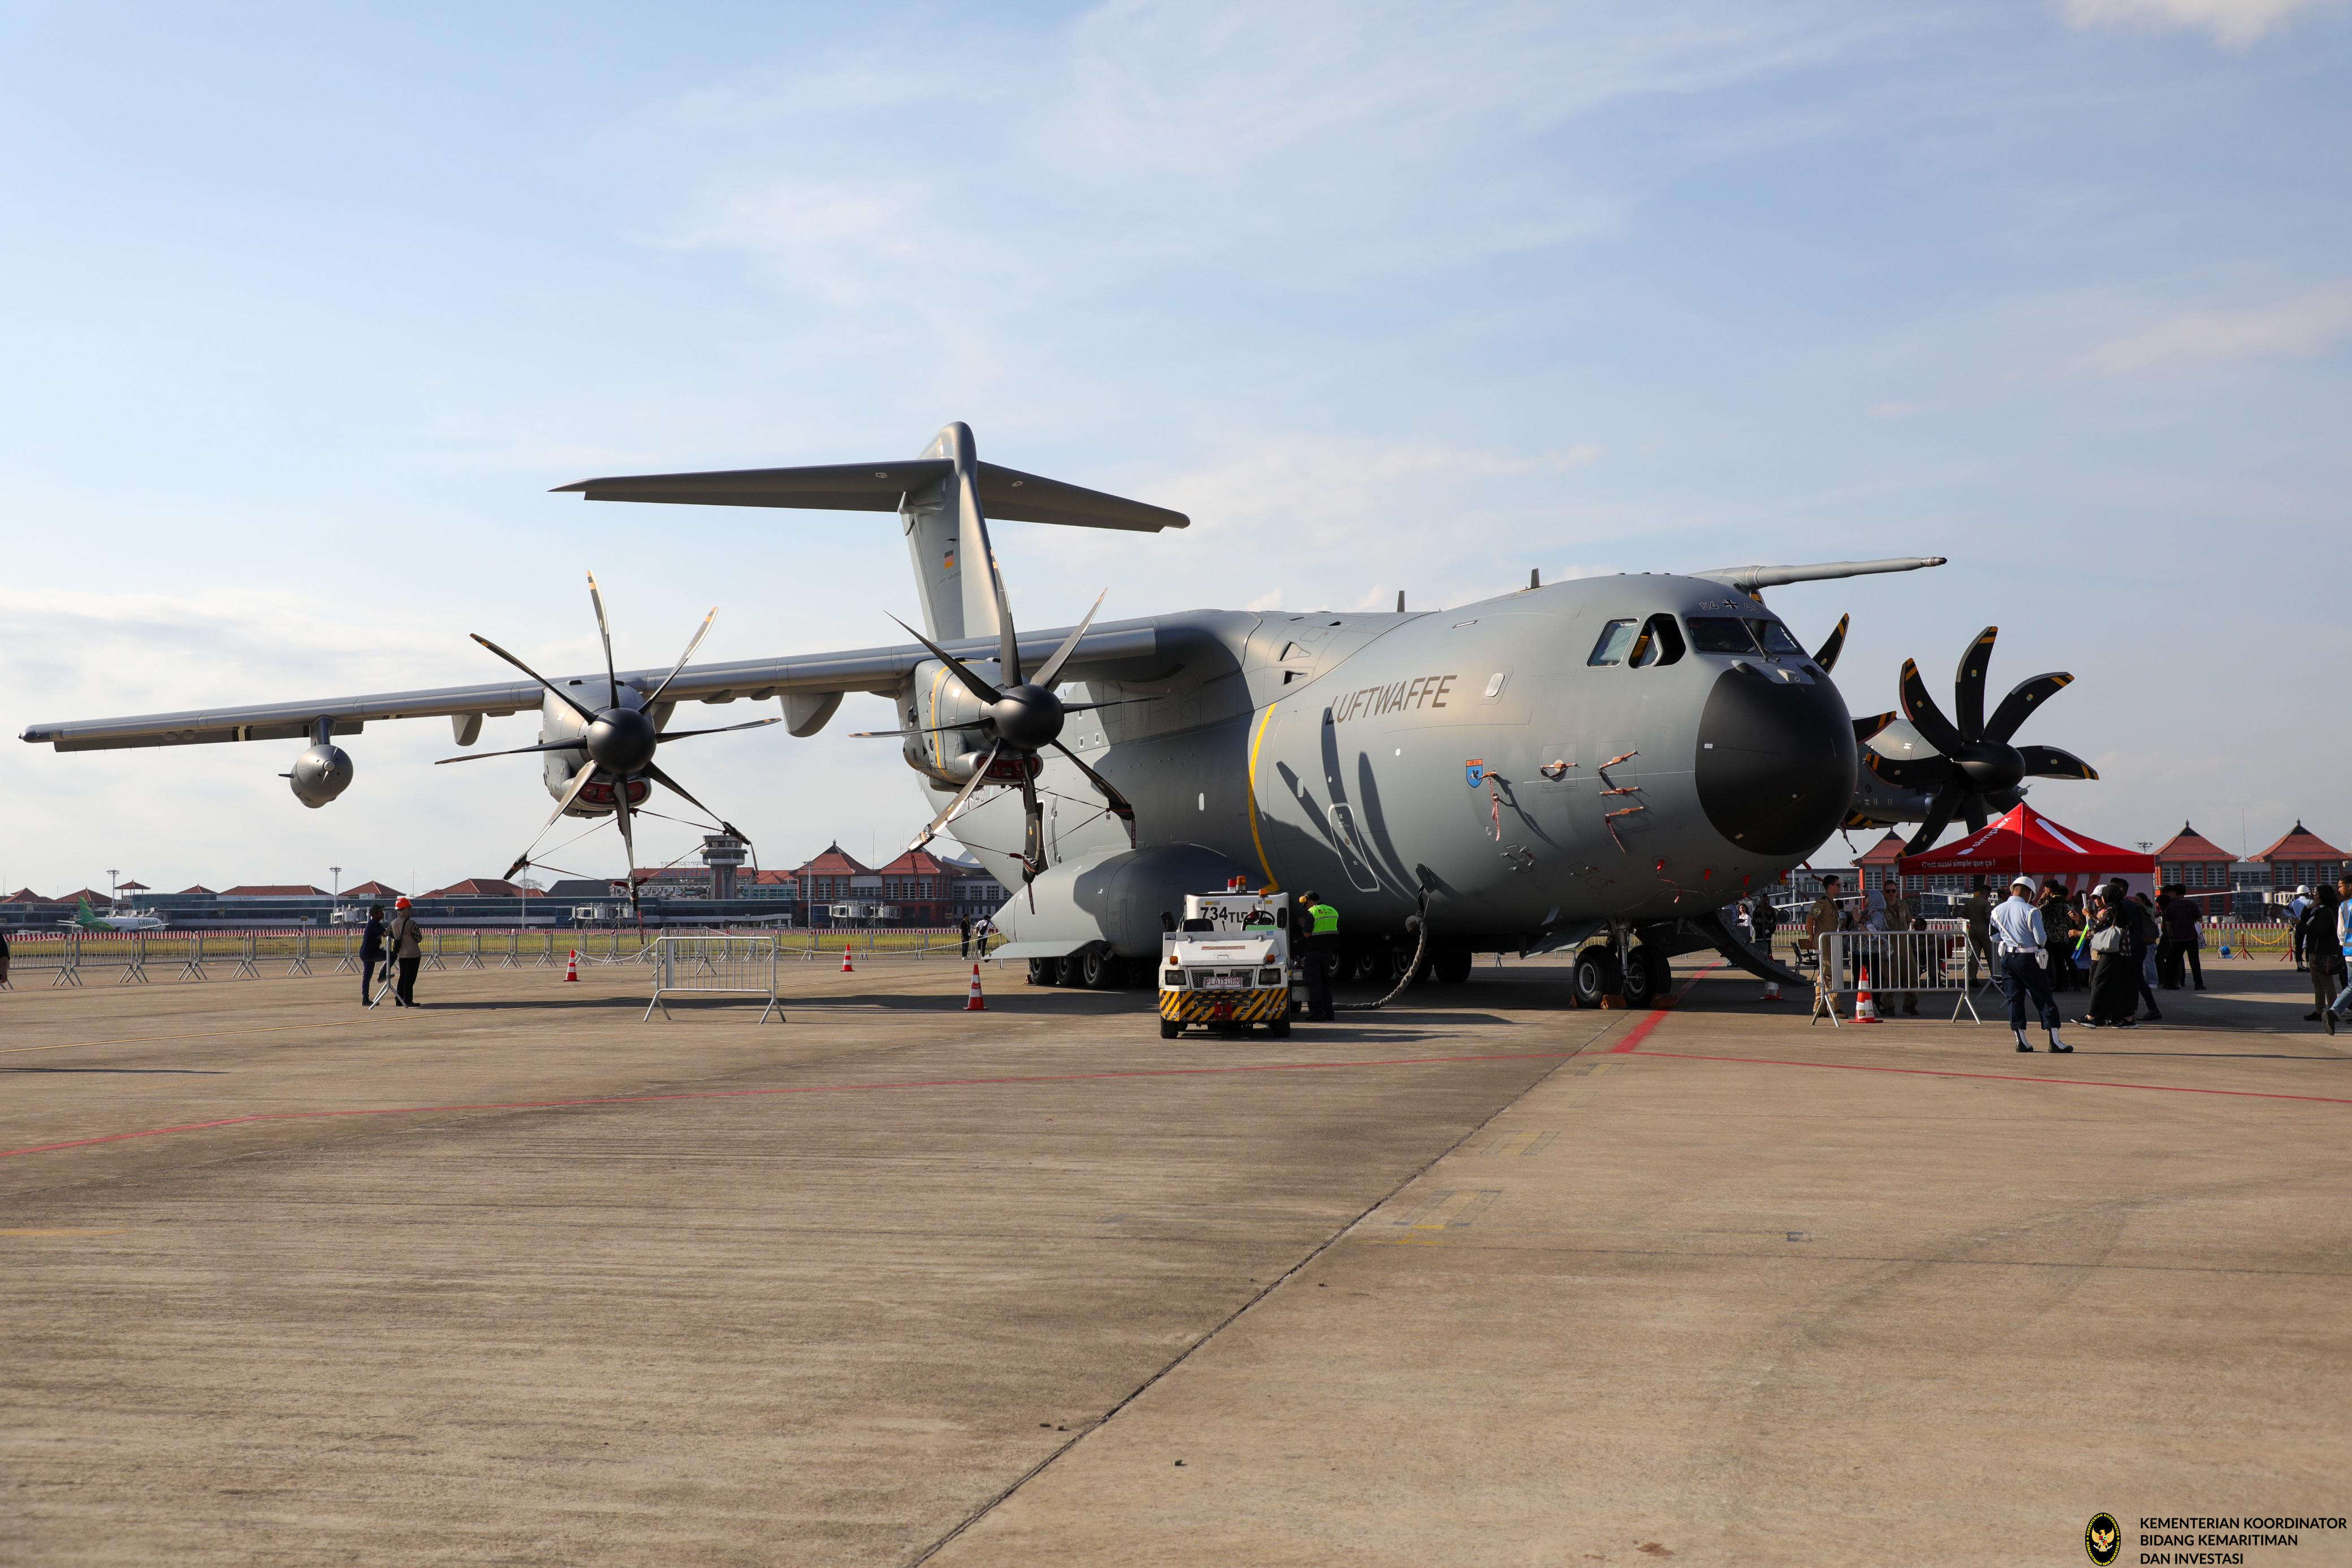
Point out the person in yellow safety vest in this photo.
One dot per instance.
(1321, 951)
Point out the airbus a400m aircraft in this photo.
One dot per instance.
(1603, 763)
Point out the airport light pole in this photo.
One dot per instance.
(110, 885)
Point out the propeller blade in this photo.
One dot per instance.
(604, 630)
(1089, 707)
(892, 734)
(955, 807)
(674, 787)
(569, 700)
(1053, 666)
(518, 751)
(1939, 817)
(1827, 655)
(579, 782)
(628, 842)
(1033, 835)
(699, 633)
(1977, 814)
(1968, 683)
(668, 735)
(2050, 762)
(961, 669)
(2023, 699)
(1008, 641)
(1864, 729)
(1911, 773)
(1921, 710)
(1117, 801)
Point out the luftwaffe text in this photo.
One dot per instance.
(1421, 691)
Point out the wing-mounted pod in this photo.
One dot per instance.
(323, 770)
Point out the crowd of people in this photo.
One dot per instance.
(2118, 946)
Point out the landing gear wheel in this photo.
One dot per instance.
(1649, 978)
(1451, 966)
(1066, 971)
(1279, 1029)
(1170, 1029)
(1596, 976)
(1098, 970)
(1364, 964)
(1044, 971)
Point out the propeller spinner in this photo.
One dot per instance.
(620, 740)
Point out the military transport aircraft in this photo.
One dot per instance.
(1601, 763)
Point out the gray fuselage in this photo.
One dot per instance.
(1467, 751)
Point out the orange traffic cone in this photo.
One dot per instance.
(1865, 1005)
(571, 966)
(975, 1002)
(845, 960)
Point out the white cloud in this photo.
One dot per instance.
(2233, 22)
(2302, 327)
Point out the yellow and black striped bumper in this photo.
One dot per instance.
(1263, 1005)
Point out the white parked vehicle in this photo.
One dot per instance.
(1227, 967)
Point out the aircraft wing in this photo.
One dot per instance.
(878, 670)
(1754, 579)
(1005, 494)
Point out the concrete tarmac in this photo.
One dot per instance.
(1480, 1278)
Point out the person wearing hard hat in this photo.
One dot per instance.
(2020, 949)
(2295, 908)
(405, 942)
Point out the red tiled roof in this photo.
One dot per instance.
(914, 862)
(2300, 844)
(274, 890)
(96, 899)
(369, 890)
(770, 878)
(476, 887)
(132, 887)
(833, 861)
(198, 888)
(2188, 844)
(26, 895)
(1885, 851)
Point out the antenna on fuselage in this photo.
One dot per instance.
(1400, 601)
(1535, 576)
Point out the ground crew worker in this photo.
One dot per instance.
(406, 939)
(371, 951)
(1322, 951)
(2021, 946)
(964, 935)
(1822, 919)
(1903, 964)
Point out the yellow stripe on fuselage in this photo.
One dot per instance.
(1251, 782)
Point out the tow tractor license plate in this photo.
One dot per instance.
(1224, 983)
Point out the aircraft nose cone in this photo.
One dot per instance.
(1775, 768)
(622, 739)
(1027, 716)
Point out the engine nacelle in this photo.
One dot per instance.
(932, 698)
(558, 722)
(322, 772)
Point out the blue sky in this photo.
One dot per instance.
(306, 310)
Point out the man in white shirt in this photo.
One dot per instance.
(2019, 943)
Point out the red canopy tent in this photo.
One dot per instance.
(2025, 842)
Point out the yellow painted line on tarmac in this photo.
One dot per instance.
(62, 1232)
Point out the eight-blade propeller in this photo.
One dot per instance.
(1977, 760)
(1021, 720)
(620, 740)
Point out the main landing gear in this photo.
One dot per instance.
(1644, 978)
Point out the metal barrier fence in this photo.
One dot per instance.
(140, 957)
(714, 966)
(1898, 963)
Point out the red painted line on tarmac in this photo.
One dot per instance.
(759, 1093)
(1641, 1031)
(2002, 1077)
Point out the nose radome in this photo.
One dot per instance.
(1775, 766)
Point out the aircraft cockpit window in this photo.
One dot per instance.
(1615, 639)
(1720, 634)
(1661, 643)
(1775, 638)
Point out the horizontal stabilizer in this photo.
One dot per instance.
(1754, 579)
(1004, 493)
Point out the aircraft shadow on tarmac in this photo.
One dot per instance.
(193, 1071)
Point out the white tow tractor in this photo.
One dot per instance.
(1227, 965)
